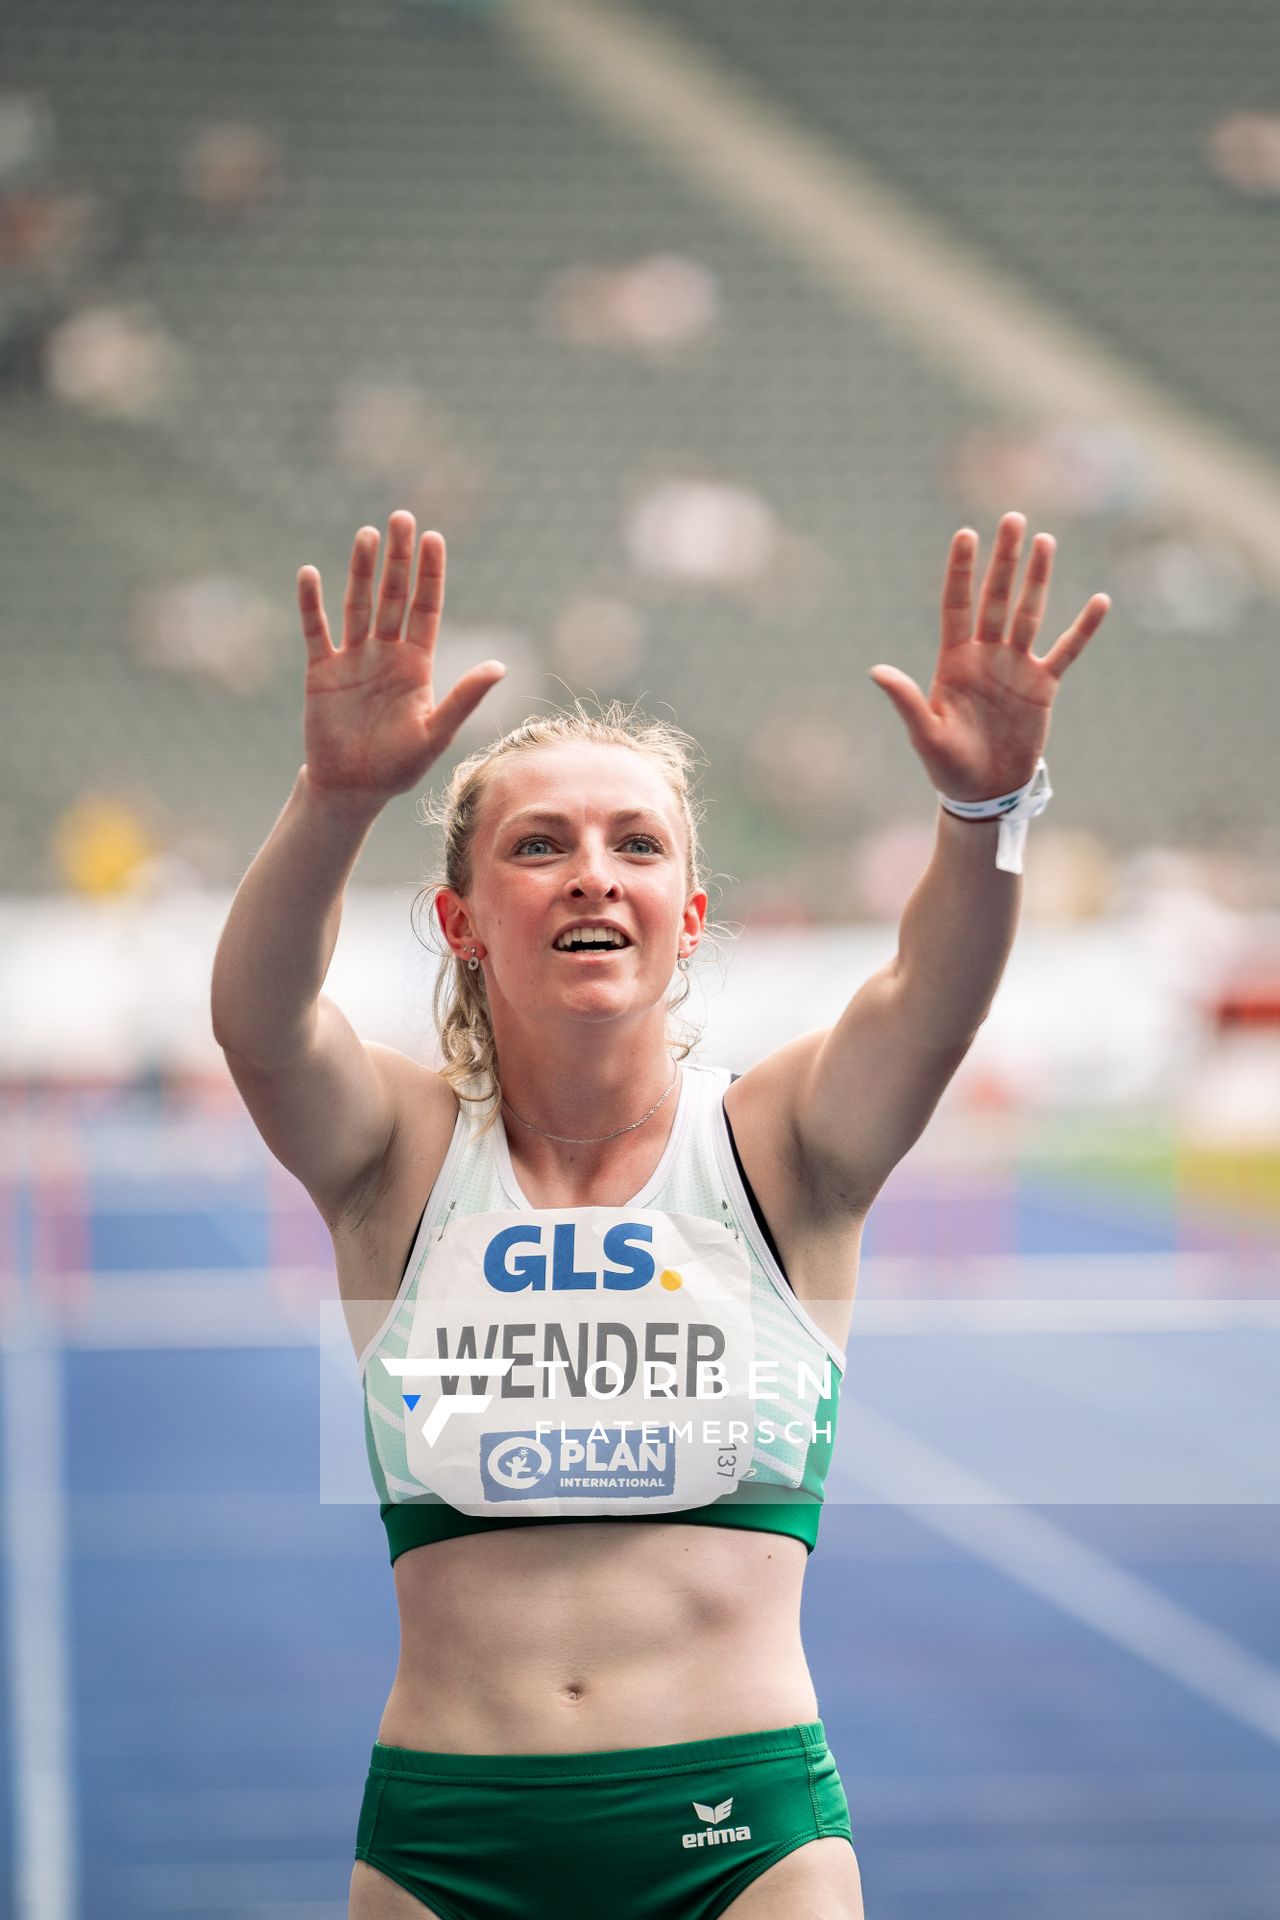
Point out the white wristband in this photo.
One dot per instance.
(1014, 810)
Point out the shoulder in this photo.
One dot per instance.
(763, 1106)
(768, 1092)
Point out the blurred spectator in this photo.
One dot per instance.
(386, 430)
(28, 139)
(380, 425)
(1076, 470)
(597, 641)
(429, 13)
(505, 705)
(804, 768)
(1223, 1085)
(168, 874)
(705, 532)
(885, 865)
(49, 236)
(717, 535)
(1217, 876)
(1072, 877)
(231, 167)
(770, 900)
(206, 855)
(1249, 883)
(1243, 151)
(449, 488)
(1177, 924)
(814, 891)
(655, 306)
(118, 362)
(100, 842)
(214, 627)
(1173, 582)
(1069, 875)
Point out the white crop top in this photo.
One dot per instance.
(645, 1361)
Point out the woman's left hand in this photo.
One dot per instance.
(986, 721)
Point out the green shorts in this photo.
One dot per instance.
(638, 1833)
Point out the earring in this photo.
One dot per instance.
(683, 963)
(473, 964)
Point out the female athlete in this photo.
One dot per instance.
(602, 1708)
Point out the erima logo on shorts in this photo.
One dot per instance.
(714, 1834)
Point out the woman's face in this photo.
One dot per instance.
(566, 833)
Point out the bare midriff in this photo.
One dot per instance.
(597, 1635)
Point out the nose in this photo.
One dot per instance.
(594, 876)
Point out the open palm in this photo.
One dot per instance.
(986, 720)
(371, 721)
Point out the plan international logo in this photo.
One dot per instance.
(579, 1461)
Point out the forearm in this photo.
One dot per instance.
(957, 930)
(280, 934)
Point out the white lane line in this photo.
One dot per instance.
(879, 251)
(975, 1514)
(45, 1856)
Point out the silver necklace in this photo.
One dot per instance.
(568, 1138)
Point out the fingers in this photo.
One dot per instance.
(1030, 608)
(1078, 635)
(315, 628)
(917, 715)
(997, 591)
(957, 588)
(355, 608)
(428, 600)
(395, 577)
(997, 588)
(395, 582)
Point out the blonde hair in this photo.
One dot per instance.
(460, 1002)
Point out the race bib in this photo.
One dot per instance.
(584, 1360)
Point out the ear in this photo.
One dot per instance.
(455, 922)
(695, 917)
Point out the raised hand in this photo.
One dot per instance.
(371, 722)
(986, 721)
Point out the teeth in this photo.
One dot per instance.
(589, 936)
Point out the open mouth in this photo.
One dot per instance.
(588, 945)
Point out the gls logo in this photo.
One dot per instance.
(714, 1835)
(512, 1272)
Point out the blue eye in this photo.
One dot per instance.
(534, 838)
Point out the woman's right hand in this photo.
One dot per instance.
(371, 722)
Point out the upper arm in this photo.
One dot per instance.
(861, 1093)
(329, 1112)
